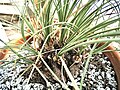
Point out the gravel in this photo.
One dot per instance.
(100, 76)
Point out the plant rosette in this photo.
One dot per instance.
(58, 46)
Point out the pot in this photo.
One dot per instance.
(114, 57)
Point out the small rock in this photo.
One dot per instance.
(99, 77)
(107, 88)
(108, 75)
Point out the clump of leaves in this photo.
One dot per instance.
(63, 32)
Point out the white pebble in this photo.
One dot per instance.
(84, 84)
(108, 75)
(105, 57)
(102, 82)
(93, 71)
(99, 77)
(92, 66)
(107, 88)
(103, 74)
(97, 73)
(19, 87)
(8, 84)
(81, 71)
(27, 87)
(89, 76)
(101, 89)
(91, 82)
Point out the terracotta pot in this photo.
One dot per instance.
(114, 57)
